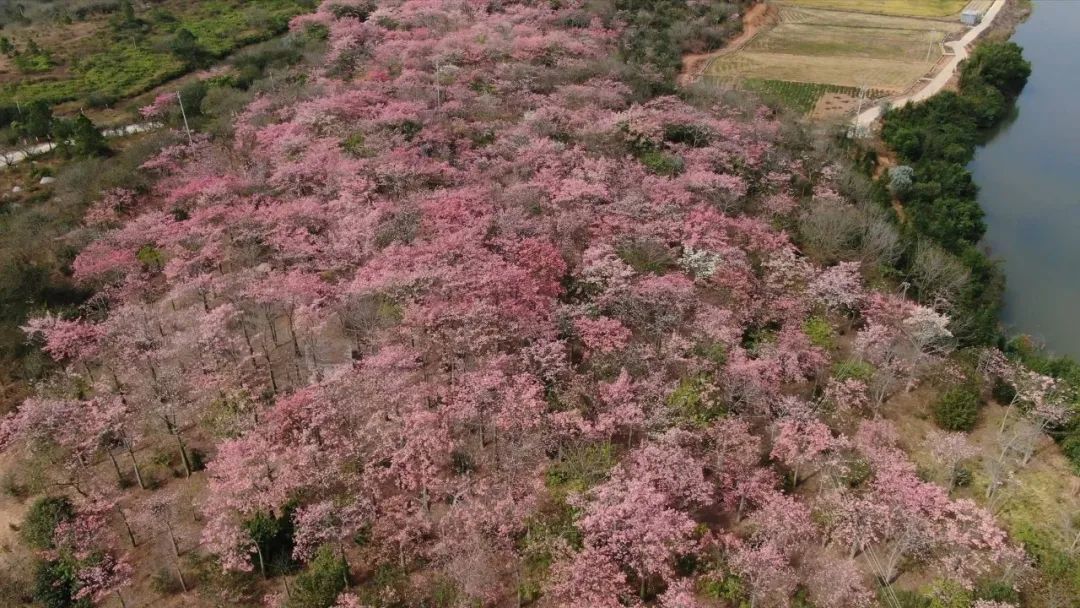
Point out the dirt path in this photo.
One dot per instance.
(759, 15)
(943, 76)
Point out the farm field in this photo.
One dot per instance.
(104, 57)
(818, 49)
(910, 8)
(803, 96)
(907, 45)
(892, 76)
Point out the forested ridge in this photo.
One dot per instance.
(481, 310)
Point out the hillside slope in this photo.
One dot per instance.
(470, 316)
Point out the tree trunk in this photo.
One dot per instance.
(172, 540)
(344, 560)
(127, 526)
(135, 464)
(123, 604)
(183, 453)
(247, 339)
(292, 335)
(180, 575)
(262, 565)
(116, 465)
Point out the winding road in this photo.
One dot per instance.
(941, 78)
(15, 157)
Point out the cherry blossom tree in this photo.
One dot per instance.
(950, 450)
(586, 580)
(800, 443)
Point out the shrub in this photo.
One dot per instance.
(98, 99)
(1000, 65)
(662, 163)
(89, 142)
(645, 255)
(858, 471)
(948, 594)
(151, 257)
(997, 591)
(1003, 392)
(691, 135)
(320, 584)
(693, 401)
(185, 46)
(354, 145)
(213, 582)
(164, 582)
(900, 180)
(274, 538)
(359, 11)
(957, 409)
(712, 351)
(820, 332)
(905, 598)
(55, 586)
(15, 589)
(962, 477)
(193, 95)
(852, 369)
(197, 458)
(13, 487)
(43, 517)
(582, 467)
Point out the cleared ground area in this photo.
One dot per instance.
(809, 56)
(846, 49)
(910, 8)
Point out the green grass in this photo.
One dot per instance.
(799, 96)
(122, 67)
(33, 63)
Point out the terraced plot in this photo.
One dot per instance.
(914, 46)
(910, 8)
(892, 76)
(803, 96)
(838, 49)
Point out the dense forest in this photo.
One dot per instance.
(471, 305)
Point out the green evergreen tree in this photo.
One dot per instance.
(185, 46)
(88, 140)
(43, 517)
(320, 584)
(37, 120)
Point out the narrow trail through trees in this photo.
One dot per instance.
(758, 16)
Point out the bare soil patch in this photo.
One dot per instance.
(834, 104)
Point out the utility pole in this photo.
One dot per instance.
(438, 85)
(184, 114)
(855, 123)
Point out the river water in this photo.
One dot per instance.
(1029, 180)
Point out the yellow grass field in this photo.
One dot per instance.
(892, 76)
(908, 8)
(845, 49)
